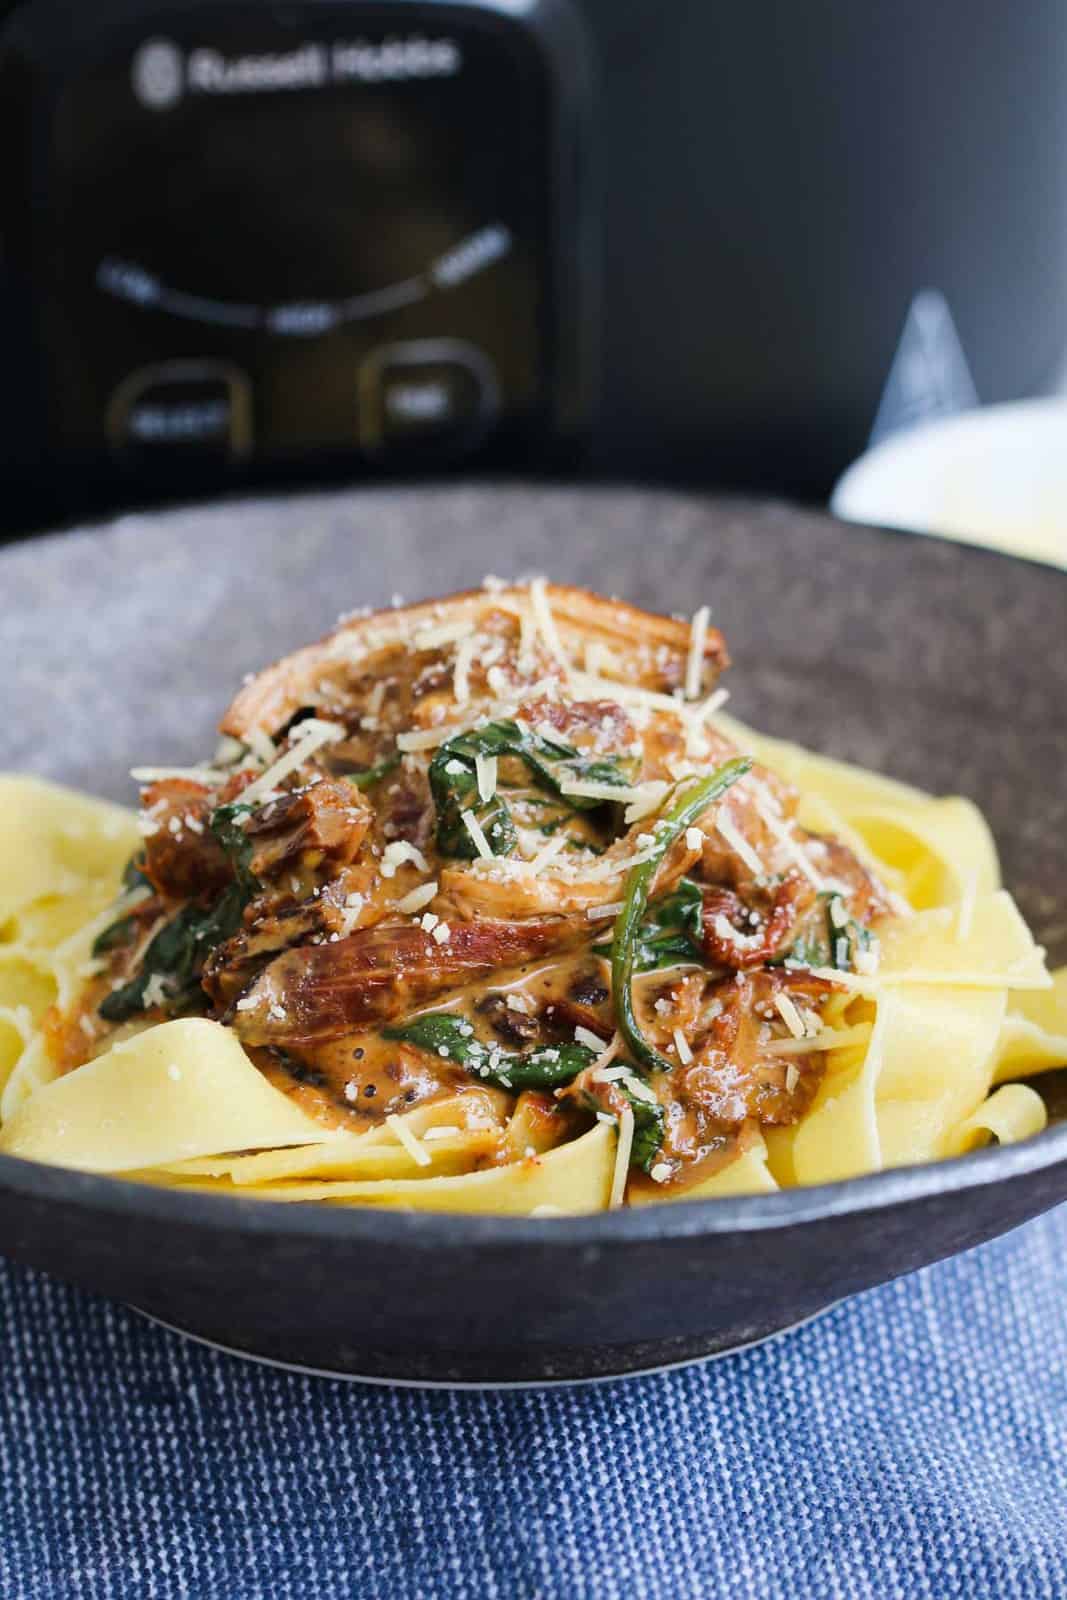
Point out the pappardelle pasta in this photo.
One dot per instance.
(487, 905)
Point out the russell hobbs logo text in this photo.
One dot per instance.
(161, 73)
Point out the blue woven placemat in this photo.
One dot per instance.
(910, 1443)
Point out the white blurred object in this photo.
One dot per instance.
(995, 476)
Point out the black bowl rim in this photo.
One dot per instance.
(758, 1213)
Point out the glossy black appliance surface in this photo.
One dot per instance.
(938, 663)
(244, 238)
(260, 240)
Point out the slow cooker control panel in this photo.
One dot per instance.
(300, 233)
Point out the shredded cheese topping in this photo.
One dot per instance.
(211, 777)
(546, 623)
(433, 638)
(416, 739)
(461, 672)
(417, 898)
(789, 1015)
(768, 811)
(405, 1137)
(307, 737)
(712, 704)
(739, 844)
(694, 667)
(549, 852)
(397, 853)
(825, 1039)
(485, 771)
(681, 1044)
(606, 1057)
(622, 1158)
(477, 833)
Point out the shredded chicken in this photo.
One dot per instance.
(486, 778)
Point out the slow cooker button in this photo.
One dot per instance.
(181, 411)
(437, 394)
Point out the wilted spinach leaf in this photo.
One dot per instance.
(451, 1037)
(550, 763)
(670, 933)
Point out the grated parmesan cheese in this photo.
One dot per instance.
(395, 854)
(477, 833)
(825, 1039)
(624, 793)
(694, 667)
(428, 738)
(155, 991)
(655, 792)
(417, 898)
(681, 1044)
(591, 1040)
(713, 703)
(350, 913)
(446, 633)
(485, 769)
(867, 961)
(261, 745)
(210, 776)
(605, 1058)
(622, 1158)
(593, 688)
(405, 1137)
(789, 1015)
(307, 737)
(615, 867)
(738, 843)
(639, 1089)
(461, 689)
(548, 853)
(546, 623)
(768, 811)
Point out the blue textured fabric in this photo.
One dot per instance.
(908, 1444)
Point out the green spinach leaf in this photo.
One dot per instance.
(825, 943)
(650, 1128)
(175, 956)
(124, 930)
(686, 810)
(670, 933)
(550, 763)
(444, 1034)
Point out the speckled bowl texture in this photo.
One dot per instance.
(941, 664)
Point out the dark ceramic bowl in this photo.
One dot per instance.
(937, 663)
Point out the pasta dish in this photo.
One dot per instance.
(486, 904)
